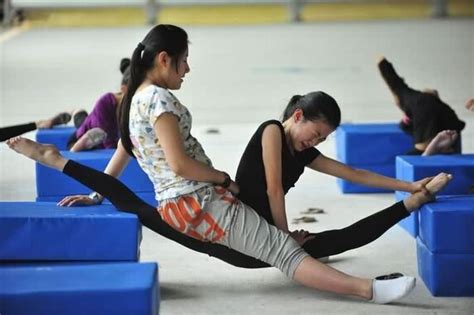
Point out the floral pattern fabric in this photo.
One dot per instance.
(147, 105)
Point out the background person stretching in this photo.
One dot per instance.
(99, 129)
(425, 114)
(16, 130)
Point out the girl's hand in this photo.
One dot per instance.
(77, 200)
(420, 185)
(234, 188)
(301, 236)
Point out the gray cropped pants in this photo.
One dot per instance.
(213, 214)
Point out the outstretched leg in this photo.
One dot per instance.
(13, 131)
(363, 232)
(125, 200)
(307, 271)
(17, 130)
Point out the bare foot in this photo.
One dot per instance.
(46, 154)
(470, 104)
(442, 142)
(416, 200)
(379, 58)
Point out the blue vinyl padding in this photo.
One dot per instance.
(348, 187)
(44, 231)
(52, 183)
(461, 166)
(363, 144)
(446, 274)
(410, 223)
(447, 225)
(57, 136)
(80, 289)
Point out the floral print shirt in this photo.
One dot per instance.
(147, 105)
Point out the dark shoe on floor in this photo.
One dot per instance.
(78, 117)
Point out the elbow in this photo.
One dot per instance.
(178, 163)
(177, 168)
(275, 192)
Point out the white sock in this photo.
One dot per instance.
(386, 291)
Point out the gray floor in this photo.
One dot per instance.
(239, 77)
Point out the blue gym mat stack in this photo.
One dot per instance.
(58, 136)
(413, 168)
(81, 260)
(445, 246)
(371, 147)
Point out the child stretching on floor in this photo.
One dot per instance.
(196, 199)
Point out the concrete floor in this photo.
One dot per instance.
(239, 77)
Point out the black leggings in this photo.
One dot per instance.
(13, 131)
(324, 244)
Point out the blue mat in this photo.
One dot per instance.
(365, 144)
(371, 147)
(461, 166)
(410, 223)
(113, 288)
(57, 136)
(446, 274)
(44, 231)
(447, 226)
(52, 185)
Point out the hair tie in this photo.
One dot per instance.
(141, 48)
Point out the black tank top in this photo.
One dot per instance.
(251, 171)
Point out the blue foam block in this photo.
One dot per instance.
(348, 187)
(44, 231)
(410, 223)
(57, 136)
(461, 166)
(113, 288)
(446, 274)
(363, 144)
(51, 183)
(447, 225)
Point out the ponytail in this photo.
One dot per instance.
(137, 76)
(290, 108)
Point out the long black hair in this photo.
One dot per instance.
(315, 106)
(168, 38)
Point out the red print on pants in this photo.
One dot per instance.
(186, 216)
